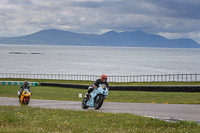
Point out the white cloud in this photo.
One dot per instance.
(105, 30)
(168, 18)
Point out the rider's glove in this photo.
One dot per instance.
(94, 86)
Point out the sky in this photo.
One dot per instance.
(169, 18)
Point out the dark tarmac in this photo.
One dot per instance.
(169, 112)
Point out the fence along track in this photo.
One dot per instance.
(111, 78)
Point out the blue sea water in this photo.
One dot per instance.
(88, 60)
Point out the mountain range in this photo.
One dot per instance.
(111, 38)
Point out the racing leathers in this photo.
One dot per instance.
(96, 85)
(22, 88)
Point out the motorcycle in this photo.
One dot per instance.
(96, 97)
(25, 97)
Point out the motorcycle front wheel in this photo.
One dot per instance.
(98, 102)
(84, 103)
(26, 101)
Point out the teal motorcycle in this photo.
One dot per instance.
(96, 97)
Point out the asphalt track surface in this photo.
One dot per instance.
(169, 112)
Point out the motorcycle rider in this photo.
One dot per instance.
(103, 80)
(24, 86)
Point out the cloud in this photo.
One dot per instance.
(166, 17)
(179, 8)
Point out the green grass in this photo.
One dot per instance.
(69, 94)
(110, 83)
(29, 119)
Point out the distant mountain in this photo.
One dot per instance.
(111, 38)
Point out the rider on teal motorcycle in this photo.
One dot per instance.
(103, 80)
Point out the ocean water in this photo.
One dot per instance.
(88, 60)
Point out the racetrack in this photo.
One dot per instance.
(171, 112)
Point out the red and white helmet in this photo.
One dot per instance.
(104, 78)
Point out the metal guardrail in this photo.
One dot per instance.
(130, 78)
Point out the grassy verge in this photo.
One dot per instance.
(111, 83)
(69, 94)
(29, 119)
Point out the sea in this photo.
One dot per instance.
(97, 60)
